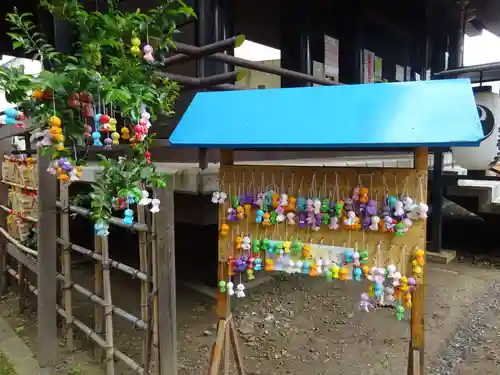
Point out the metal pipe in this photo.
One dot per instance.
(453, 73)
(191, 50)
(208, 49)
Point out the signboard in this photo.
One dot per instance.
(368, 66)
(331, 58)
(400, 73)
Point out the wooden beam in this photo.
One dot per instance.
(167, 315)
(47, 267)
(227, 157)
(416, 365)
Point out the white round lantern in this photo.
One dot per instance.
(480, 158)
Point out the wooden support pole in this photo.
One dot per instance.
(108, 308)
(227, 337)
(47, 264)
(98, 310)
(167, 315)
(66, 264)
(143, 265)
(4, 200)
(416, 365)
(154, 274)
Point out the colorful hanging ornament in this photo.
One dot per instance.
(128, 219)
(101, 229)
(96, 136)
(365, 304)
(125, 133)
(155, 206)
(222, 286)
(400, 312)
(135, 50)
(230, 288)
(145, 200)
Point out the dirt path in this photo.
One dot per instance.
(306, 326)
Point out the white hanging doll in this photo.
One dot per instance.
(418, 212)
(375, 220)
(240, 290)
(230, 288)
(219, 197)
(334, 223)
(155, 206)
(291, 218)
(145, 200)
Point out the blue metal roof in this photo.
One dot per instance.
(439, 113)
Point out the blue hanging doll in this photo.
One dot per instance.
(96, 136)
(101, 229)
(128, 219)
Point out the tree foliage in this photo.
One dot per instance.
(107, 64)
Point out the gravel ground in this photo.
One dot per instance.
(306, 326)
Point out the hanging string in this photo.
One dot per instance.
(292, 184)
(405, 186)
(337, 188)
(324, 186)
(421, 188)
(384, 184)
(301, 185)
(396, 185)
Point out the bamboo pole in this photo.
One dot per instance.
(108, 307)
(119, 266)
(98, 286)
(66, 264)
(143, 265)
(154, 274)
(27, 217)
(86, 330)
(22, 288)
(18, 244)
(114, 220)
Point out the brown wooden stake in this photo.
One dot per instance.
(417, 347)
(167, 315)
(217, 348)
(98, 310)
(238, 356)
(108, 308)
(47, 265)
(143, 265)
(66, 264)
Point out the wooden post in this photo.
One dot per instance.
(416, 365)
(108, 308)
(227, 337)
(167, 303)
(154, 274)
(47, 268)
(4, 193)
(98, 310)
(143, 260)
(66, 264)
